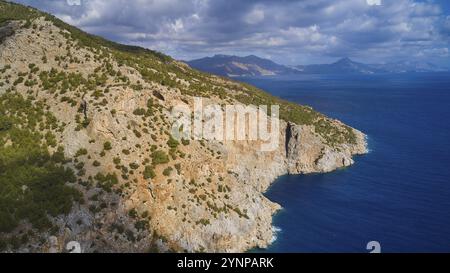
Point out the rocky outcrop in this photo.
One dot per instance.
(7, 30)
(308, 153)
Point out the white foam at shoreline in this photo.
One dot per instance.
(275, 231)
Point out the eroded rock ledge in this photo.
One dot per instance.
(308, 153)
(7, 30)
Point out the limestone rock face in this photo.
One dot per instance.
(7, 30)
(307, 152)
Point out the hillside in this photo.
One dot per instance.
(86, 152)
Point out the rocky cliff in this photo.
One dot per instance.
(105, 109)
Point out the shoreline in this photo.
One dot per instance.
(276, 229)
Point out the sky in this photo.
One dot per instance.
(286, 31)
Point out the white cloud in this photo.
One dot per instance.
(255, 16)
(373, 2)
(299, 30)
(73, 2)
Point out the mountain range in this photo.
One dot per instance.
(235, 66)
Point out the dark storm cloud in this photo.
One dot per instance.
(287, 31)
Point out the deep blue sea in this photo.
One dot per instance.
(398, 194)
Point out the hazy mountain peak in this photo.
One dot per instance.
(345, 60)
(250, 65)
(221, 56)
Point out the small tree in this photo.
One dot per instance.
(160, 157)
(149, 172)
(107, 146)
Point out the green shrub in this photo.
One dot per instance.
(185, 142)
(204, 222)
(81, 152)
(5, 123)
(149, 172)
(18, 81)
(141, 225)
(167, 171)
(79, 166)
(139, 112)
(137, 133)
(50, 139)
(178, 168)
(159, 157)
(134, 166)
(106, 182)
(133, 213)
(172, 143)
(107, 146)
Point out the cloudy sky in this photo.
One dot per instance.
(286, 31)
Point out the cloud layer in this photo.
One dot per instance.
(287, 31)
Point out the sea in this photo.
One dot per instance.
(394, 199)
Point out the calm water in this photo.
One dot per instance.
(399, 194)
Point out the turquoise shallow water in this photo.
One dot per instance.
(398, 194)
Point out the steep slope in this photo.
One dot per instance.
(86, 154)
(230, 66)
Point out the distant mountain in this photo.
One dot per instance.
(234, 66)
(409, 66)
(343, 66)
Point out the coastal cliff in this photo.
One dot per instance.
(104, 108)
